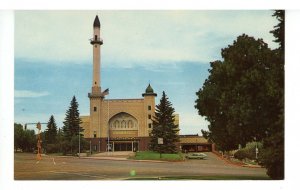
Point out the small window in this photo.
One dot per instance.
(96, 37)
(149, 116)
(95, 134)
(149, 125)
(95, 108)
(149, 107)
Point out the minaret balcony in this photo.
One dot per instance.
(96, 41)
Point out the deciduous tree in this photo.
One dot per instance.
(234, 98)
(273, 144)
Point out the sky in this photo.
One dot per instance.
(171, 50)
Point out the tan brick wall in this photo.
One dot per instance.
(133, 107)
(95, 116)
(85, 125)
(106, 109)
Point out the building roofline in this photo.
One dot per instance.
(123, 99)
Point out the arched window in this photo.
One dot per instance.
(117, 124)
(123, 121)
(123, 124)
(130, 124)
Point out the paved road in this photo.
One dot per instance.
(61, 168)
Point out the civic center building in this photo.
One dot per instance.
(116, 124)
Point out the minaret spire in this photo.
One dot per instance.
(96, 41)
(97, 22)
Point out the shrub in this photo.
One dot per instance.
(52, 148)
(248, 152)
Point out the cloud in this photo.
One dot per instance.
(133, 38)
(29, 94)
(190, 122)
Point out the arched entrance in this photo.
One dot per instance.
(123, 132)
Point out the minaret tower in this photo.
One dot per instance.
(96, 41)
(96, 96)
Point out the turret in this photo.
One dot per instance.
(149, 91)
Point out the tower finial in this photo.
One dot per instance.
(97, 22)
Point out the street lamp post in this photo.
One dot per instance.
(108, 143)
(79, 142)
(90, 147)
(256, 149)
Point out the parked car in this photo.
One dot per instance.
(196, 156)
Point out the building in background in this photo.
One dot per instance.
(116, 124)
(195, 143)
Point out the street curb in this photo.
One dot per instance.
(123, 159)
(252, 166)
(114, 159)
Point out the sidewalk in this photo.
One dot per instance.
(117, 156)
(120, 159)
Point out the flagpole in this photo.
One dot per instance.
(108, 146)
(79, 141)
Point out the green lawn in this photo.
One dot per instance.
(148, 155)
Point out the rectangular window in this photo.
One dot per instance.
(95, 134)
(149, 125)
(95, 108)
(149, 107)
(149, 116)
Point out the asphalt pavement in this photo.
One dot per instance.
(119, 168)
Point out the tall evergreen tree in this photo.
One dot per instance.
(273, 145)
(164, 127)
(51, 131)
(279, 29)
(72, 123)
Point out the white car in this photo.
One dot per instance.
(196, 156)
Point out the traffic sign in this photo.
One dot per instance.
(160, 140)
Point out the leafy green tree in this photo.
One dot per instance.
(234, 98)
(24, 139)
(71, 126)
(18, 135)
(51, 131)
(273, 155)
(273, 144)
(164, 127)
(30, 141)
(243, 98)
